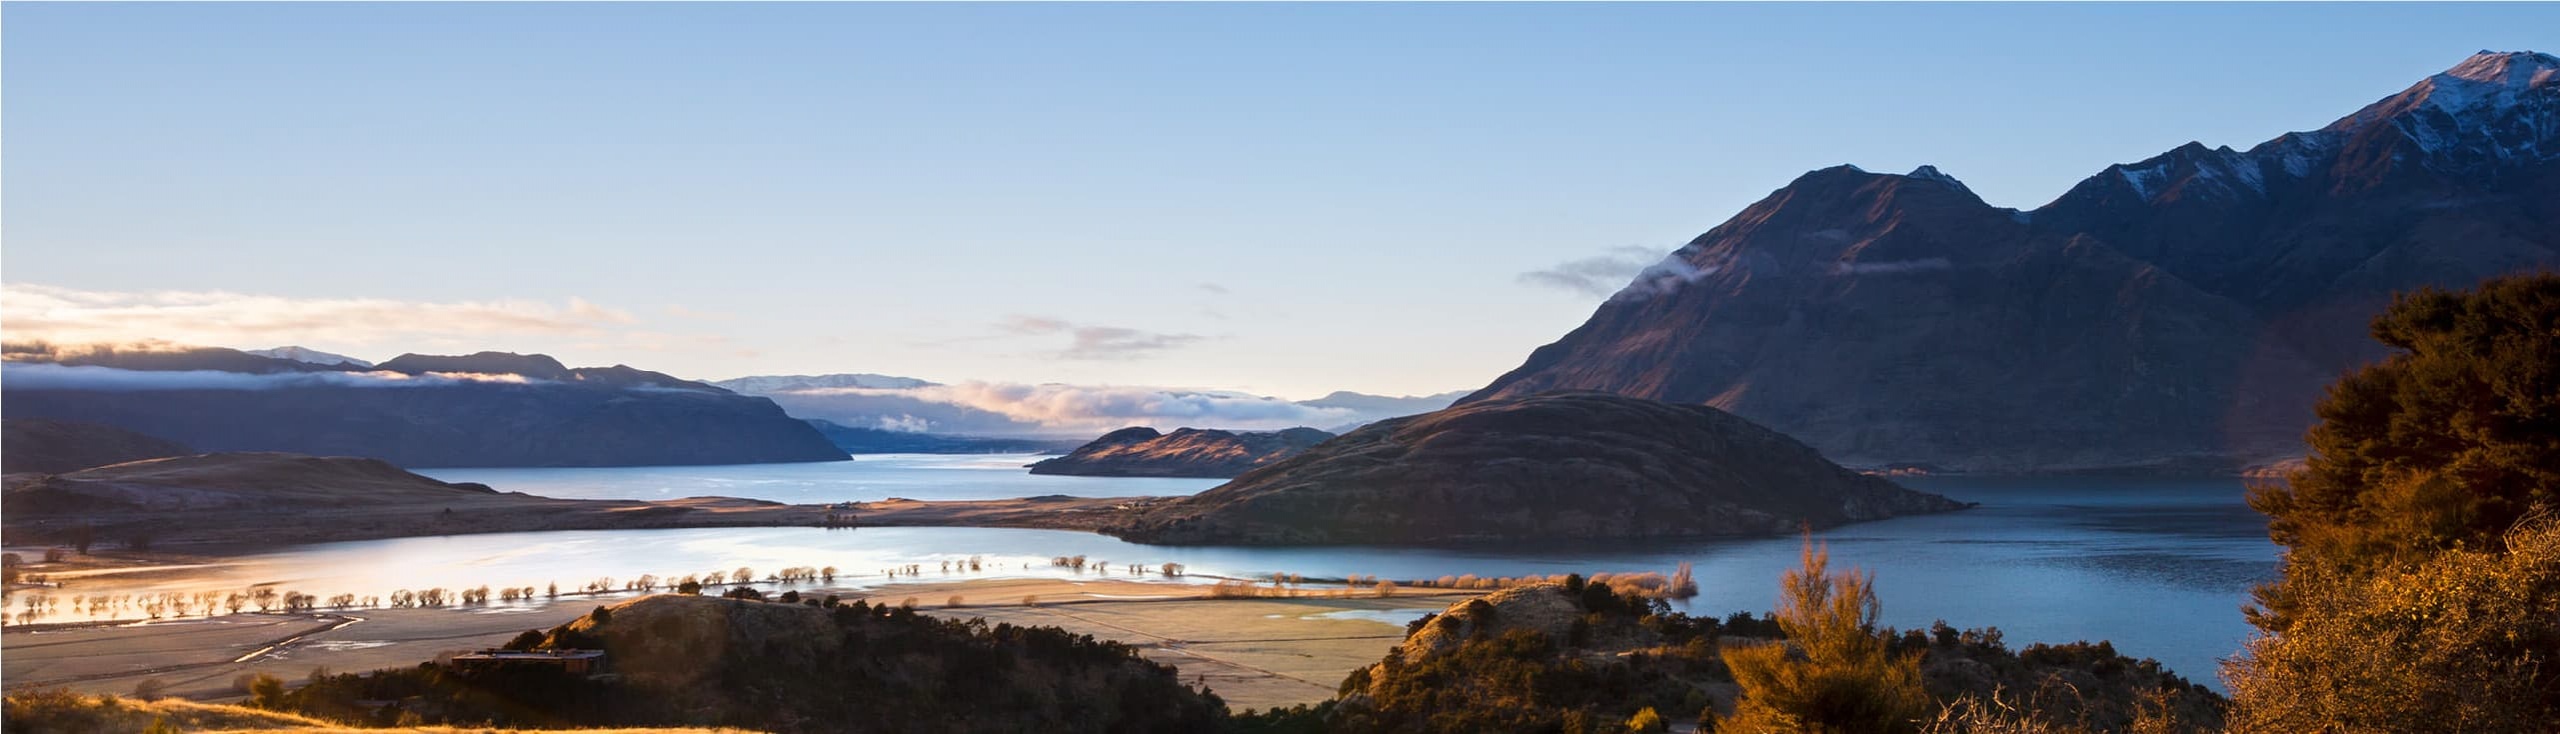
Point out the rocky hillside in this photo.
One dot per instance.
(2176, 314)
(790, 667)
(1557, 465)
(1186, 452)
(1575, 656)
(53, 447)
(487, 409)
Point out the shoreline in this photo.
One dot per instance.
(232, 532)
(1258, 650)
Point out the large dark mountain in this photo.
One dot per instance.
(1556, 466)
(487, 409)
(2176, 314)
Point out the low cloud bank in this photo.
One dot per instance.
(46, 376)
(1105, 407)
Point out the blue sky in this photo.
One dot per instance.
(1285, 199)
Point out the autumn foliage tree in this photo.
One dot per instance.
(2421, 575)
(2446, 444)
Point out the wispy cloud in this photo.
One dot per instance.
(68, 315)
(1595, 276)
(44, 313)
(1892, 266)
(1093, 342)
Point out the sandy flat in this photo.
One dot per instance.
(1254, 652)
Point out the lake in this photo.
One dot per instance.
(2160, 567)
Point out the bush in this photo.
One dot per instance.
(1834, 673)
(2469, 641)
(1647, 721)
(2447, 444)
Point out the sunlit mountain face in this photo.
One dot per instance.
(2179, 313)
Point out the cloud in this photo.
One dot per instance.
(67, 315)
(905, 424)
(1894, 266)
(1111, 342)
(1214, 288)
(1663, 277)
(1032, 325)
(1594, 276)
(1096, 342)
(1094, 408)
(47, 376)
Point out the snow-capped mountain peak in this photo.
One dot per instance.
(2521, 69)
(1931, 173)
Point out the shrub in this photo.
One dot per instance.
(2468, 641)
(1834, 673)
(1647, 721)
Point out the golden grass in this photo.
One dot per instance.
(45, 712)
(64, 712)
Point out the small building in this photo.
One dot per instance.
(575, 662)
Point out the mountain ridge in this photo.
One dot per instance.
(2176, 314)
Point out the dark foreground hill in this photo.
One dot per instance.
(2178, 314)
(52, 447)
(1552, 466)
(487, 409)
(786, 667)
(1186, 452)
(1580, 657)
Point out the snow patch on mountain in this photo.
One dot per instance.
(309, 355)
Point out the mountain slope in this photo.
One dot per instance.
(52, 447)
(2177, 314)
(1564, 465)
(1186, 452)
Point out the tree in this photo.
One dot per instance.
(2421, 580)
(2446, 444)
(1834, 673)
(266, 692)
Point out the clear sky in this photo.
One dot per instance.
(1286, 199)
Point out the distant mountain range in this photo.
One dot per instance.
(912, 405)
(883, 441)
(485, 409)
(2180, 313)
(313, 356)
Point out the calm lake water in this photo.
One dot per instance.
(2160, 567)
(867, 477)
